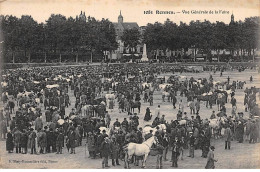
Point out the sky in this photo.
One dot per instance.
(133, 10)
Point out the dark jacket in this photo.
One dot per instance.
(24, 140)
(9, 142)
(115, 149)
(60, 140)
(105, 149)
(91, 143)
(72, 139)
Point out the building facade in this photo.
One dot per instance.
(120, 27)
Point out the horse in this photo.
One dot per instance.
(136, 104)
(221, 100)
(87, 110)
(136, 149)
(216, 126)
(167, 95)
(161, 127)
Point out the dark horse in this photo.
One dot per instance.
(136, 104)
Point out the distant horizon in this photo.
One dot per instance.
(133, 11)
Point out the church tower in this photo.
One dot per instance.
(232, 18)
(120, 18)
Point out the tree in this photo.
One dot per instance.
(27, 35)
(10, 34)
(56, 33)
(131, 39)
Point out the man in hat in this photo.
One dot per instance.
(192, 107)
(116, 123)
(228, 136)
(60, 142)
(115, 151)
(107, 119)
(32, 141)
(254, 132)
(248, 129)
(174, 101)
(42, 141)
(240, 131)
(175, 152)
(71, 139)
(185, 116)
(106, 151)
(125, 123)
(197, 105)
(165, 144)
(91, 145)
(157, 112)
(213, 115)
(162, 120)
(72, 112)
(140, 135)
(191, 145)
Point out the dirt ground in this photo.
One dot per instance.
(241, 155)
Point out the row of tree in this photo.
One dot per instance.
(61, 35)
(58, 35)
(204, 36)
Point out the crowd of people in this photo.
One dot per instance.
(30, 95)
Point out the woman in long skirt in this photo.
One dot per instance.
(211, 160)
(9, 143)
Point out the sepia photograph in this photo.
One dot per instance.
(129, 84)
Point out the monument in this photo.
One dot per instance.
(144, 56)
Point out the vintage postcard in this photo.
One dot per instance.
(119, 84)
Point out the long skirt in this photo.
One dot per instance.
(210, 165)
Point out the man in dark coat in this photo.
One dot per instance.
(175, 153)
(139, 135)
(42, 141)
(240, 131)
(254, 132)
(100, 140)
(115, 151)
(60, 142)
(91, 145)
(227, 136)
(32, 141)
(117, 123)
(50, 140)
(71, 140)
(124, 124)
(191, 145)
(174, 101)
(46, 103)
(3, 128)
(17, 140)
(48, 115)
(24, 141)
(106, 151)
